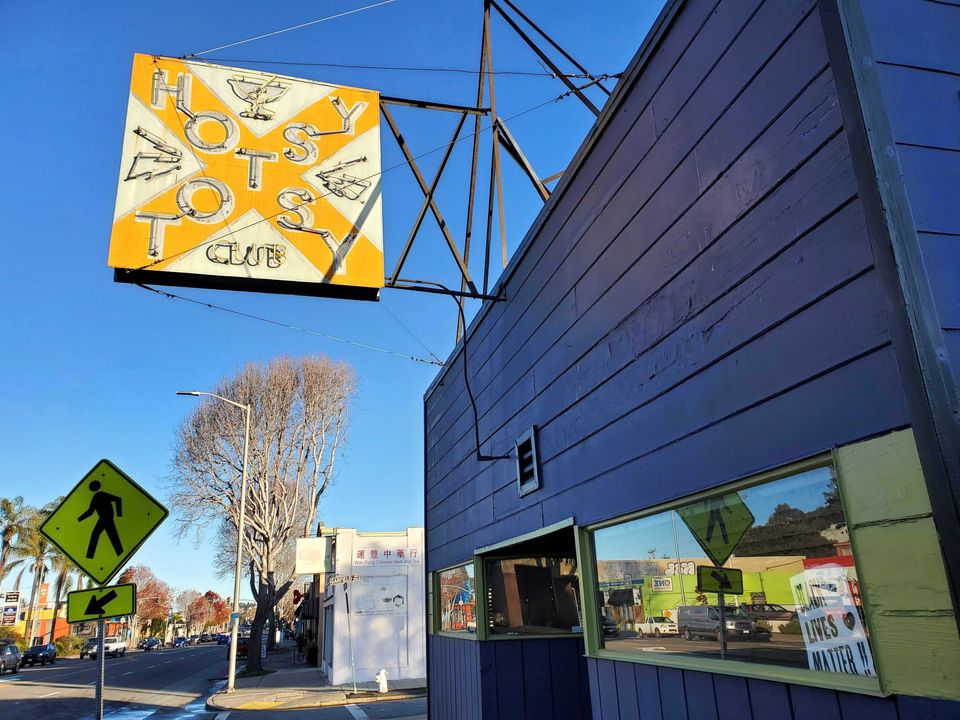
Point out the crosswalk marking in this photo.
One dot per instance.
(356, 712)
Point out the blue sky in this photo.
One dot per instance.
(90, 367)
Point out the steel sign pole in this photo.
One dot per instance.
(100, 669)
(723, 627)
(235, 630)
(353, 666)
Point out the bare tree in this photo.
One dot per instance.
(298, 425)
(183, 601)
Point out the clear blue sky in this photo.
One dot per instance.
(89, 367)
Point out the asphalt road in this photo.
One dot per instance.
(138, 685)
(165, 685)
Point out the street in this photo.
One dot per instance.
(166, 685)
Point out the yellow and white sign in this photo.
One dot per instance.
(244, 180)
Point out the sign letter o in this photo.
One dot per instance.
(224, 207)
(230, 132)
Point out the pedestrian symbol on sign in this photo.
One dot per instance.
(102, 504)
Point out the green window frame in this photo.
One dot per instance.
(889, 520)
(435, 611)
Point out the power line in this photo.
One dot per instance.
(412, 334)
(403, 68)
(290, 326)
(292, 27)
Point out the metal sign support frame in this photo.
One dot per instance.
(502, 137)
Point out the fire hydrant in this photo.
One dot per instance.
(382, 680)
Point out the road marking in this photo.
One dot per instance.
(168, 662)
(129, 673)
(150, 667)
(357, 713)
(50, 694)
(222, 716)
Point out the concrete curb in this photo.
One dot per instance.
(272, 701)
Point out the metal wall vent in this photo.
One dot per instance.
(528, 468)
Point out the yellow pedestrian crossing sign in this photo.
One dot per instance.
(718, 524)
(112, 601)
(103, 521)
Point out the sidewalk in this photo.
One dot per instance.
(295, 686)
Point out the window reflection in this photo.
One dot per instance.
(533, 595)
(800, 606)
(457, 600)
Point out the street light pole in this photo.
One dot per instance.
(235, 630)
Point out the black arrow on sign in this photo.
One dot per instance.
(96, 605)
(722, 579)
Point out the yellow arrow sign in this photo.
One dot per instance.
(86, 605)
(103, 521)
(719, 580)
(718, 524)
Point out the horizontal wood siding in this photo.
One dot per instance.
(690, 287)
(700, 304)
(915, 45)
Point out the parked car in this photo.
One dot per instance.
(205, 638)
(111, 646)
(90, 644)
(193, 640)
(151, 643)
(657, 625)
(696, 621)
(42, 654)
(768, 612)
(243, 645)
(10, 659)
(609, 626)
(179, 642)
(223, 639)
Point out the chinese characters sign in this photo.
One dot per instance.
(243, 180)
(386, 556)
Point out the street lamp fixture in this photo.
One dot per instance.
(235, 619)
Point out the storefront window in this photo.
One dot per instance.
(799, 605)
(532, 595)
(457, 595)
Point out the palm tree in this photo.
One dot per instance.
(64, 570)
(13, 516)
(35, 554)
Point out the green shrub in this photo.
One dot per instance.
(763, 625)
(68, 645)
(791, 628)
(8, 635)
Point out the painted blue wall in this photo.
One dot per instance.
(699, 302)
(508, 679)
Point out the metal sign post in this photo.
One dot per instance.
(723, 627)
(99, 546)
(100, 669)
(353, 665)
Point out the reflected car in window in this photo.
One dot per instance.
(657, 625)
(769, 611)
(610, 627)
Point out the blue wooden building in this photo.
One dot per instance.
(730, 341)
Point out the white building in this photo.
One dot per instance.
(374, 599)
